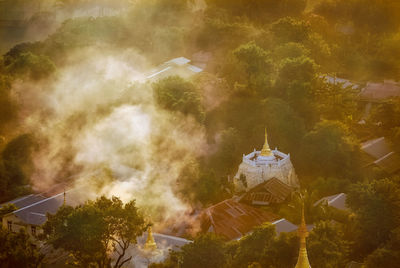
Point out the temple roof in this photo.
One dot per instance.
(270, 191)
(232, 219)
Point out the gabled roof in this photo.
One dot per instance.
(270, 191)
(178, 66)
(35, 213)
(284, 226)
(376, 148)
(377, 91)
(179, 61)
(381, 153)
(339, 81)
(232, 219)
(25, 200)
(337, 201)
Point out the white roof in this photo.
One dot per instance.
(337, 201)
(179, 61)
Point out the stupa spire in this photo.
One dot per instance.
(302, 261)
(150, 243)
(266, 151)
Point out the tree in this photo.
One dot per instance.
(18, 250)
(251, 247)
(387, 256)
(176, 94)
(94, 231)
(283, 251)
(313, 212)
(290, 30)
(329, 150)
(8, 109)
(326, 246)
(35, 66)
(387, 113)
(15, 166)
(255, 63)
(227, 156)
(207, 250)
(336, 102)
(377, 213)
(7, 208)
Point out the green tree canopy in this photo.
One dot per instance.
(206, 251)
(176, 94)
(326, 245)
(91, 230)
(18, 250)
(329, 150)
(377, 209)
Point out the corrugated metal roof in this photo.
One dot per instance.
(179, 61)
(383, 155)
(284, 226)
(25, 200)
(376, 148)
(233, 219)
(270, 191)
(338, 201)
(381, 90)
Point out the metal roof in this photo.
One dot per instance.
(232, 219)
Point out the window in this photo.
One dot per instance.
(9, 226)
(33, 230)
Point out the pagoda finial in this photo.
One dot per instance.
(302, 261)
(150, 243)
(266, 151)
(64, 202)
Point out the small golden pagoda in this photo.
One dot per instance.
(302, 261)
(150, 243)
(266, 151)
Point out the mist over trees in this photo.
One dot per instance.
(268, 58)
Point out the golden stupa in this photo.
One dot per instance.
(266, 151)
(302, 261)
(150, 243)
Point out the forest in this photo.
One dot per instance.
(67, 92)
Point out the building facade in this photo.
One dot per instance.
(260, 166)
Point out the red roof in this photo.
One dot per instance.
(381, 90)
(232, 219)
(270, 191)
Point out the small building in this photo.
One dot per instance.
(333, 80)
(269, 192)
(260, 166)
(337, 201)
(284, 226)
(179, 66)
(32, 210)
(379, 153)
(232, 219)
(379, 91)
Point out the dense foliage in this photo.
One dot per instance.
(269, 58)
(90, 231)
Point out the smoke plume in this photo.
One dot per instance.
(98, 123)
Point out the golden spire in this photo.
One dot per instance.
(150, 243)
(302, 261)
(266, 151)
(64, 198)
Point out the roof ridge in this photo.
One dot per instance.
(334, 199)
(41, 201)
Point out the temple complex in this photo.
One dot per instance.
(260, 166)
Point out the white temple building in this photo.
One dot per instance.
(260, 166)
